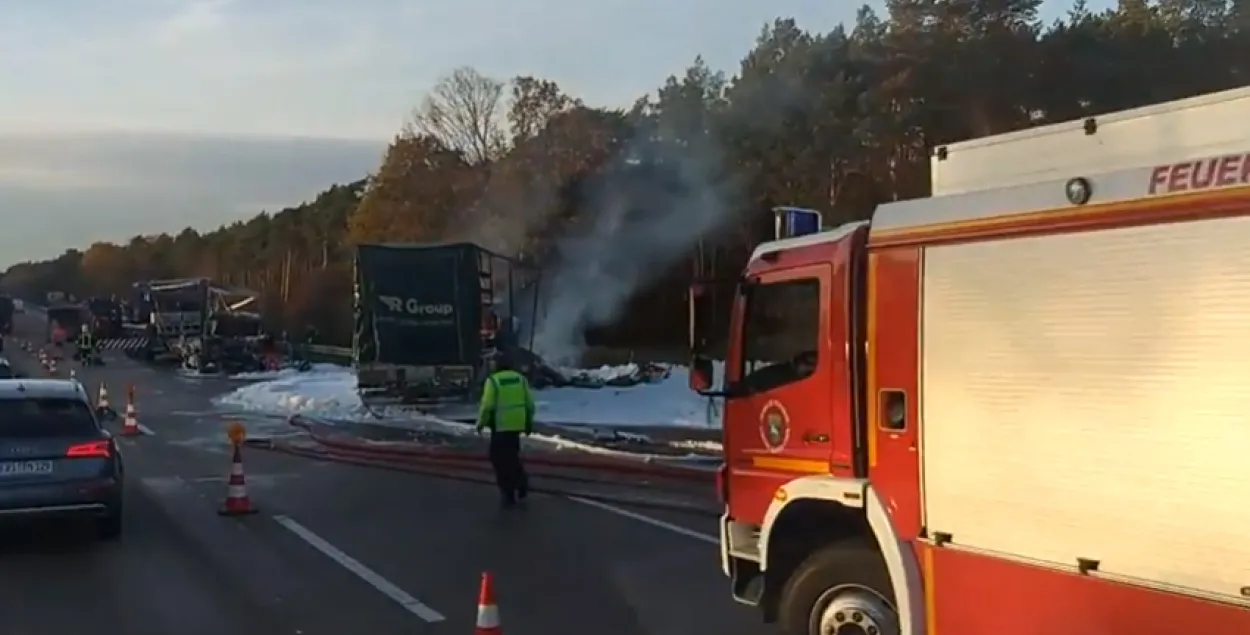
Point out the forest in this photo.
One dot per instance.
(620, 208)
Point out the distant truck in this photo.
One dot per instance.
(7, 308)
(428, 319)
(70, 317)
(106, 318)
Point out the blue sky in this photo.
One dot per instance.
(140, 116)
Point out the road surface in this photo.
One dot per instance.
(339, 549)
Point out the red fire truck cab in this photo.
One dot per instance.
(1018, 407)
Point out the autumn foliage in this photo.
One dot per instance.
(510, 164)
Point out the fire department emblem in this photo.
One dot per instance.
(774, 426)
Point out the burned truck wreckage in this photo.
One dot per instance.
(430, 318)
(198, 324)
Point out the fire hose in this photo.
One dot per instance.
(417, 451)
(462, 470)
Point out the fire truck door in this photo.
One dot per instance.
(778, 426)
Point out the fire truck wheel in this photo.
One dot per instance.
(843, 589)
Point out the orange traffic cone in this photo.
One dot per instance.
(487, 610)
(130, 423)
(237, 501)
(103, 408)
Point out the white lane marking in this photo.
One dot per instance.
(146, 430)
(372, 578)
(654, 522)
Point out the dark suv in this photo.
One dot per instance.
(56, 462)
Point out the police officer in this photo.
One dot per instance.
(507, 408)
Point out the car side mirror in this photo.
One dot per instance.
(701, 374)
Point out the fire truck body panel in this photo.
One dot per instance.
(972, 593)
(1101, 378)
(1206, 125)
(1094, 331)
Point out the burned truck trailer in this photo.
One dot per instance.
(428, 319)
(186, 319)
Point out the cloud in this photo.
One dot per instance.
(61, 191)
(342, 68)
(201, 78)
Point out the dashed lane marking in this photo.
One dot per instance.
(372, 578)
(654, 522)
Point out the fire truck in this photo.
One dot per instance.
(1020, 406)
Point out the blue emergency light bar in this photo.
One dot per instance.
(796, 221)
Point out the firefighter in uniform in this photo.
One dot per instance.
(507, 409)
(86, 345)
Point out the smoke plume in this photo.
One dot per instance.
(644, 213)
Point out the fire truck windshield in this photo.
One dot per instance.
(781, 333)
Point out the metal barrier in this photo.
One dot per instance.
(323, 353)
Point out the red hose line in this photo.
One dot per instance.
(601, 464)
(477, 466)
(335, 456)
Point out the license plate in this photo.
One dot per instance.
(25, 468)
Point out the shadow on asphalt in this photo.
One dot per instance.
(47, 537)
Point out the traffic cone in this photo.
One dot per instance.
(237, 501)
(487, 610)
(130, 423)
(103, 408)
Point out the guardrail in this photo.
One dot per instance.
(324, 353)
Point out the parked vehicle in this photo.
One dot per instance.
(56, 461)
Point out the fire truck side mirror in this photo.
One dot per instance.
(698, 302)
(701, 370)
(701, 309)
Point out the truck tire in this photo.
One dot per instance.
(842, 589)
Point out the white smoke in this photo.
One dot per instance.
(638, 228)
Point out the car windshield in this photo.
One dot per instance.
(30, 418)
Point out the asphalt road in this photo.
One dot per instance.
(338, 549)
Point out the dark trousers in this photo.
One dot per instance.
(505, 457)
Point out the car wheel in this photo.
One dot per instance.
(110, 526)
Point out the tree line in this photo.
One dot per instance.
(619, 208)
